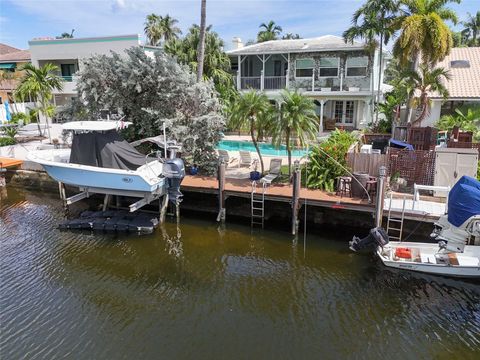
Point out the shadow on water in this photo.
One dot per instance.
(201, 290)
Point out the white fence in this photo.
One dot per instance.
(15, 108)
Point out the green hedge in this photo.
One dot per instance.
(5, 141)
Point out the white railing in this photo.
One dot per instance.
(250, 82)
(274, 82)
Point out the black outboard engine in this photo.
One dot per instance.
(174, 171)
(377, 237)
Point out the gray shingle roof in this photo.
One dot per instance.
(322, 43)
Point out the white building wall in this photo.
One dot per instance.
(435, 113)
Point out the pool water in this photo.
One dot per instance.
(265, 149)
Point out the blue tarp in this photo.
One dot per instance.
(400, 144)
(464, 200)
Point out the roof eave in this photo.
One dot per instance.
(346, 48)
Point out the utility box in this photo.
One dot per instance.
(452, 163)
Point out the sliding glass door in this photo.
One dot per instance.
(344, 112)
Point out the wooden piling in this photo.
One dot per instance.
(221, 191)
(382, 173)
(296, 197)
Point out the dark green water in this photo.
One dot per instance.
(199, 292)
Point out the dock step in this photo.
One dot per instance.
(395, 220)
(257, 204)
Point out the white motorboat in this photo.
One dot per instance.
(456, 251)
(101, 161)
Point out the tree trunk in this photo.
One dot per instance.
(289, 152)
(254, 140)
(409, 109)
(201, 43)
(380, 58)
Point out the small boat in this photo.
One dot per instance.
(456, 248)
(101, 161)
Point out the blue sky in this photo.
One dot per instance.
(22, 20)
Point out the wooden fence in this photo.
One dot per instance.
(416, 166)
(368, 163)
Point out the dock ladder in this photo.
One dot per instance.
(258, 204)
(395, 224)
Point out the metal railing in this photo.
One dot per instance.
(68, 78)
(250, 82)
(274, 82)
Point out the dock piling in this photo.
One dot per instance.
(295, 197)
(221, 191)
(382, 173)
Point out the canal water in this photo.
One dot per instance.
(197, 291)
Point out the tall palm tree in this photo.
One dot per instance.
(423, 83)
(38, 84)
(423, 32)
(269, 31)
(372, 22)
(472, 27)
(153, 29)
(201, 42)
(168, 29)
(253, 111)
(291, 36)
(297, 119)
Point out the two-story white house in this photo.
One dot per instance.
(67, 54)
(341, 78)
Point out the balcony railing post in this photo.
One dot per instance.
(262, 80)
(239, 81)
(313, 79)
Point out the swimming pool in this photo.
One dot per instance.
(265, 149)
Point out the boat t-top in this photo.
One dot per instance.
(456, 235)
(100, 161)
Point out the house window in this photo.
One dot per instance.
(357, 66)
(304, 68)
(329, 67)
(67, 71)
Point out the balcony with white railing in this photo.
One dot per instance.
(274, 82)
(261, 82)
(69, 85)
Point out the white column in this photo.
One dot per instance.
(239, 73)
(341, 79)
(262, 76)
(313, 79)
(320, 129)
(287, 80)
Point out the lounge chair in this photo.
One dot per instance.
(245, 159)
(223, 154)
(274, 172)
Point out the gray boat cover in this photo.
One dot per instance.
(105, 149)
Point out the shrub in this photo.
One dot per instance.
(5, 141)
(327, 160)
(20, 117)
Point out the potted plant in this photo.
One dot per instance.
(255, 175)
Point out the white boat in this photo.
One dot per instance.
(456, 251)
(100, 161)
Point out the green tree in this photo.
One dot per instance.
(252, 111)
(373, 23)
(466, 118)
(153, 29)
(216, 62)
(150, 92)
(168, 28)
(269, 31)
(66, 35)
(423, 32)
(38, 84)
(424, 82)
(472, 28)
(290, 36)
(201, 40)
(296, 119)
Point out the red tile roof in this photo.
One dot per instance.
(16, 56)
(465, 81)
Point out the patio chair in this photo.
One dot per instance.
(245, 159)
(274, 172)
(223, 154)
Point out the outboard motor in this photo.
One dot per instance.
(174, 171)
(377, 237)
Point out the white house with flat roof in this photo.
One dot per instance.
(340, 77)
(68, 53)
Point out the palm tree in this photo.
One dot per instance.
(269, 31)
(423, 32)
(290, 36)
(297, 119)
(66, 35)
(168, 29)
(376, 18)
(466, 118)
(201, 42)
(472, 27)
(39, 83)
(424, 82)
(253, 111)
(153, 29)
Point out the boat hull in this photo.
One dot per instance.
(472, 253)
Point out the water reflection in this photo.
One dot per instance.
(198, 290)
